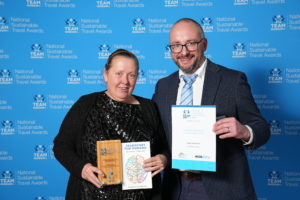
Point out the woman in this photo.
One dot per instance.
(111, 114)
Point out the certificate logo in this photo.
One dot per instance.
(207, 24)
(36, 51)
(167, 52)
(278, 23)
(104, 51)
(73, 77)
(239, 50)
(5, 77)
(275, 76)
(33, 3)
(240, 2)
(7, 178)
(40, 152)
(71, 26)
(186, 114)
(103, 4)
(3, 25)
(7, 127)
(275, 127)
(274, 178)
(138, 26)
(171, 3)
(39, 102)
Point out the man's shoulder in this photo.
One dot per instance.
(220, 68)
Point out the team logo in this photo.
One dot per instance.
(103, 4)
(7, 178)
(71, 26)
(7, 127)
(278, 23)
(39, 102)
(275, 127)
(274, 179)
(206, 23)
(275, 76)
(167, 52)
(3, 24)
(171, 3)
(138, 26)
(141, 77)
(73, 77)
(36, 51)
(240, 2)
(40, 152)
(33, 3)
(239, 50)
(104, 51)
(5, 77)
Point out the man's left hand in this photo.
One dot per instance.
(231, 128)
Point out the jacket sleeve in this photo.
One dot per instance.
(65, 146)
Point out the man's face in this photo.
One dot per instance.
(182, 33)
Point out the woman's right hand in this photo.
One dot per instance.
(88, 173)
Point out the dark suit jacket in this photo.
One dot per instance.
(230, 92)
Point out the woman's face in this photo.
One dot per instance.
(121, 78)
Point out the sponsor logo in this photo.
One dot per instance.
(73, 77)
(40, 152)
(275, 127)
(171, 3)
(278, 23)
(33, 3)
(7, 178)
(71, 26)
(3, 24)
(239, 50)
(37, 51)
(104, 51)
(275, 76)
(274, 178)
(138, 26)
(39, 102)
(103, 4)
(5, 77)
(206, 23)
(7, 127)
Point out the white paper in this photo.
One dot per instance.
(193, 139)
(134, 176)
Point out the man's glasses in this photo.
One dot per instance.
(190, 46)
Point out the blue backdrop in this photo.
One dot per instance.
(53, 51)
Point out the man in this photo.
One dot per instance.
(242, 126)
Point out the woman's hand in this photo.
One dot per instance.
(88, 173)
(155, 164)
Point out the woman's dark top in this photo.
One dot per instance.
(98, 117)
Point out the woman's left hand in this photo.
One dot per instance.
(155, 164)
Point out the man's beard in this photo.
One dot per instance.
(196, 65)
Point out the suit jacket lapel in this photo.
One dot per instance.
(211, 84)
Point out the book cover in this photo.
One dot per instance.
(134, 176)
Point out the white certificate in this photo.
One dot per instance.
(193, 139)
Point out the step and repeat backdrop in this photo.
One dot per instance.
(54, 51)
